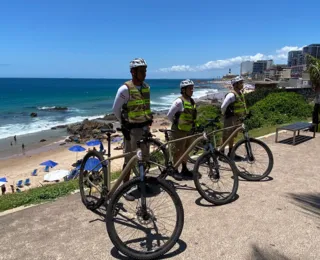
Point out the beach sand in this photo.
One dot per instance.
(17, 166)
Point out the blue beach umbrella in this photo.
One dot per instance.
(93, 143)
(3, 180)
(77, 148)
(49, 163)
(91, 164)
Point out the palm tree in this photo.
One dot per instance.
(314, 71)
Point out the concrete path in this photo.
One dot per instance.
(275, 219)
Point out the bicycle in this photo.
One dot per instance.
(244, 152)
(134, 227)
(228, 193)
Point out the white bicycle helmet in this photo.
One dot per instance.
(236, 79)
(138, 62)
(185, 83)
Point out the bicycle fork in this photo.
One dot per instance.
(214, 154)
(143, 210)
(248, 147)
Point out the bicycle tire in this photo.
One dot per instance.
(247, 175)
(112, 211)
(91, 205)
(211, 195)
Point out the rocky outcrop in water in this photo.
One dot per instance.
(89, 129)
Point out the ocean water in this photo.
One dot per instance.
(84, 98)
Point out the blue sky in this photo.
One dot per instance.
(178, 39)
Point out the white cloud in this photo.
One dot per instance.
(279, 56)
(282, 54)
(177, 68)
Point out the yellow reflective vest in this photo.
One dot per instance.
(185, 120)
(137, 110)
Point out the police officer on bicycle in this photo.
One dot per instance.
(132, 108)
(183, 114)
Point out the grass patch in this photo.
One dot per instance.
(41, 194)
(37, 195)
(115, 175)
(270, 129)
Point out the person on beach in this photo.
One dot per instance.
(15, 139)
(182, 114)
(22, 146)
(132, 108)
(11, 143)
(3, 189)
(233, 107)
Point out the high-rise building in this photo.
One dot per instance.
(313, 50)
(246, 68)
(261, 65)
(295, 58)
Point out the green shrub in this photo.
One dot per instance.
(279, 108)
(259, 94)
(210, 112)
(207, 112)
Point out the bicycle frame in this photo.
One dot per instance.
(124, 172)
(240, 128)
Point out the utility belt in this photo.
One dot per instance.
(126, 128)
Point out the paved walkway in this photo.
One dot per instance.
(276, 219)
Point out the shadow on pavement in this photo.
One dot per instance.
(310, 202)
(263, 254)
(268, 178)
(299, 139)
(179, 186)
(101, 212)
(182, 247)
(199, 201)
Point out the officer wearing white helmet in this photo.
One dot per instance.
(233, 107)
(132, 108)
(182, 114)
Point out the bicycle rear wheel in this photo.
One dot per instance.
(150, 234)
(91, 180)
(256, 168)
(219, 181)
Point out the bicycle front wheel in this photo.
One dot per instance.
(91, 180)
(149, 233)
(215, 178)
(259, 165)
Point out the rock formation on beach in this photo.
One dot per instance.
(89, 129)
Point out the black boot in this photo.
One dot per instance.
(185, 172)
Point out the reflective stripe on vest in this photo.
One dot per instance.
(187, 117)
(137, 110)
(239, 106)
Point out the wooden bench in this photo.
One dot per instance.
(296, 127)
